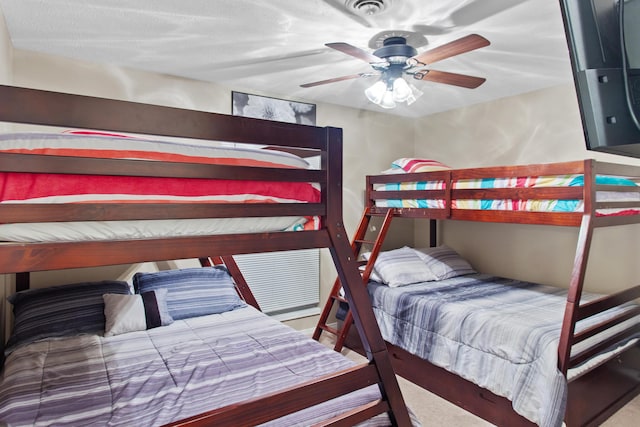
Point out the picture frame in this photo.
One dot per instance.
(264, 107)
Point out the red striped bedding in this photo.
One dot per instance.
(70, 188)
(114, 146)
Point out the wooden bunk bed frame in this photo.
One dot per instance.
(592, 398)
(30, 106)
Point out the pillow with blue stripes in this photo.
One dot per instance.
(59, 311)
(192, 292)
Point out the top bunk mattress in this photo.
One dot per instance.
(58, 188)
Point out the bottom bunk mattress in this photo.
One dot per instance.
(169, 373)
(498, 333)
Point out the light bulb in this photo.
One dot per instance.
(401, 90)
(376, 92)
(387, 100)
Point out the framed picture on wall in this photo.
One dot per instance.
(264, 107)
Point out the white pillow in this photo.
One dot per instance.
(130, 313)
(444, 262)
(401, 267)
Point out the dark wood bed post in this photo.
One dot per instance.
(578, 272)
(433, 233)
(374, 346)
(23, 281)
(575, 291)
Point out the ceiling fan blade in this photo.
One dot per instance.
(335, 79)
(462, 80)
(447, 50)
(355, 52)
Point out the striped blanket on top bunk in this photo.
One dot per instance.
(402, 166)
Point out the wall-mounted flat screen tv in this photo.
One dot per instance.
(604, 45)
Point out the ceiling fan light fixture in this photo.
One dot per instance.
(388, 91)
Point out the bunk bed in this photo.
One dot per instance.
(592, 340)
(153, 387)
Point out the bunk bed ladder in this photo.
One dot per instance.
(358, 243)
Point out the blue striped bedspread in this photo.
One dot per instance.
(153, 377)
(499, 333)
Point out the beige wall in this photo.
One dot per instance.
(538, 127)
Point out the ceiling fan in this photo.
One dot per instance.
(396, 58)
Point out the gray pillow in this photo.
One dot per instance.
(444, 262)
(401, 267)
(60, 310)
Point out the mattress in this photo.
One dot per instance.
(498, 333)
(160, 375)
(70, 188)
(532, 205)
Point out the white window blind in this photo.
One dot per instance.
(284, 281)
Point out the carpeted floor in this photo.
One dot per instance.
(434, 411)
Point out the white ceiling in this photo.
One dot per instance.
(272, 47)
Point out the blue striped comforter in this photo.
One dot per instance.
(499, 333)
(164, 374)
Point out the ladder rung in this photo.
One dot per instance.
(329, 329)
(370, 242)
